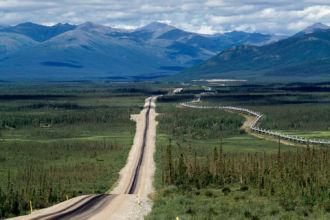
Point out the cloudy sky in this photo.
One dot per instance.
(209, 16)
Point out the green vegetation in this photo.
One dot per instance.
(245, 177)
(45, 173)
(294, 58)
(306, 117)
(290, 184)
(299, 109)
(64, 139)
(198, 123)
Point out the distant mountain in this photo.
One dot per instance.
(311, 29)
(161, 31)
(295, 58)
(38, 32)
(92, 51)
(236, 38)
(236, 33)
(10, 42)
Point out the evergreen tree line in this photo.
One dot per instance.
(132, 90)
(262, 99)
(293, 177)
(51, 89)
(176, 98)
(199, 123)
(306, 117)
(114, 116)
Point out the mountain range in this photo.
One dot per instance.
(236, 38)
(97, 52)
(89, 51)
(304, 57)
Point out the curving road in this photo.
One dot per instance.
(136, 177)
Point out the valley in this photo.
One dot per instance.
(155, 122)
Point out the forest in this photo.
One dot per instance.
(226, 176)
(60, 140)
(65, 139)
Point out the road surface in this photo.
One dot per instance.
(136, 177)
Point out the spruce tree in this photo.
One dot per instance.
(8, 180)
(220, 158)
(279, 161)
(181, 167)
(215, 159)
(169, 163)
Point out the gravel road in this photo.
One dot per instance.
(135, 178)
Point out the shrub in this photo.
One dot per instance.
(226, 190)
(247, 214)
(274, 212)
(287, 202)
(254, 217)
(211, 211)
(208, 193)
(182, 200)
(327, 206)
(244, 188)
(158, 203)
(190, 211)
(236, 197)
(169, 190)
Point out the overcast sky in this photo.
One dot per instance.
(209, 16)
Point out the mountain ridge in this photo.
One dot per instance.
(92, 51)
(311, 29)
(38, 32)
(252, 62)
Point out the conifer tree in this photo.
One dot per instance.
(169, 163)
(279, 161)
(220, 158)
(195, 163)
(8, 180)
(181, 167)
(215, 159)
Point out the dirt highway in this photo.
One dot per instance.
(135, 177)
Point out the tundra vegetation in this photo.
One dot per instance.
(213, 170)
(64, 139)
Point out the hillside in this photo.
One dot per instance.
(81, 54)
(97, 52)
(304, 57)
(236, 38)
(38, 32)
(11, 42)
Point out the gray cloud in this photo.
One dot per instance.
(265, 16)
